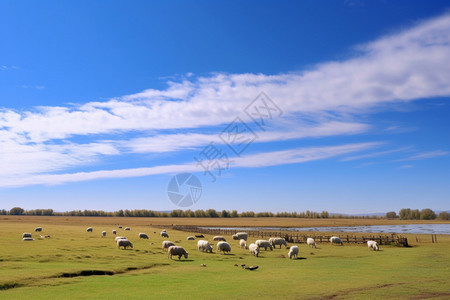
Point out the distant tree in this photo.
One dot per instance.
(415, 214)
(234, 213)
(16, 211)
(405, 214)
(391, 215)
(225, 214)
(212, 213)
(427, 214)
(443, 215)
(324, 214)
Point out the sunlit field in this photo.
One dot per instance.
(56, 266)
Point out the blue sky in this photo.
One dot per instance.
(102, 102)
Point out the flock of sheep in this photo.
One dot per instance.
(222, 245)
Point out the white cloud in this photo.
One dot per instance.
(426, 155)
(322, 101)
(267, 159)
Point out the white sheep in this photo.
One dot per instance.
(254, 249)
(120, 238)
(28, 239)
(240, 236)
(89, 229)
(177, 250)
(38, 229)
(223, 247)
(264, 244)
(204, 246)
(336, 240)
(311, 242)
(293, 251)
(219, 238)
(167, 244)
(143, 236)
(373, 245)
(26, 235)
(190, 238)
(114, 232)
(277, 241)
(164, 234)
(124, 243)
(103, 233)
(127, 228)
(243, 243)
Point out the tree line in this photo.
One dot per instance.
(415, 214)
(177, 213)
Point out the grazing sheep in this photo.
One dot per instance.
(120, 238)
(28, 239)
(167, 244)
(120, 227)
(240, 236)
(254, 249)
(38, 229)
(293, 251)
(204, 246)
(143, 236)
(199, 236)
(124, 243)
(26, 235)
(177, 250)
(89, 229)
(127, 228)
(243, 243)
(311, 242)
(373, 245)
(277, 241)
(190, 238)
(223, 247)
(336, 240)
(164, 234)
(219, 238)
(103, 233)
(44, 236)
(264, 244)
(114, 232)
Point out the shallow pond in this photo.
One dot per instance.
(406, 228)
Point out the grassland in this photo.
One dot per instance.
(52, 268)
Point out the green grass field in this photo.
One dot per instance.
(52, 268)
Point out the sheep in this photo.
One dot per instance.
(243, 244)
(44, 236)
(120, 227)
(89, 229)
(120, 238)
(240, 236)
(219, 238)
(167, 244)
(204, 246)
(336, 240)
(277, 241)
(264, 244)
(103, 233)
(143, 236)
(114, 232)
(26, 235)
(127, 228)
(254, 249)
(199, 236)
(223, 247)
(177, 250)
(28, 239)
(293, 252)
(124, 243)
(311, 242)
(190, 238)
(38, 229)
(373, 245)
(164, 234)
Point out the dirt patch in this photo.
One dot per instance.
(7, 286)
(86, 273)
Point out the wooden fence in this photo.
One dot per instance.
(296, 237)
